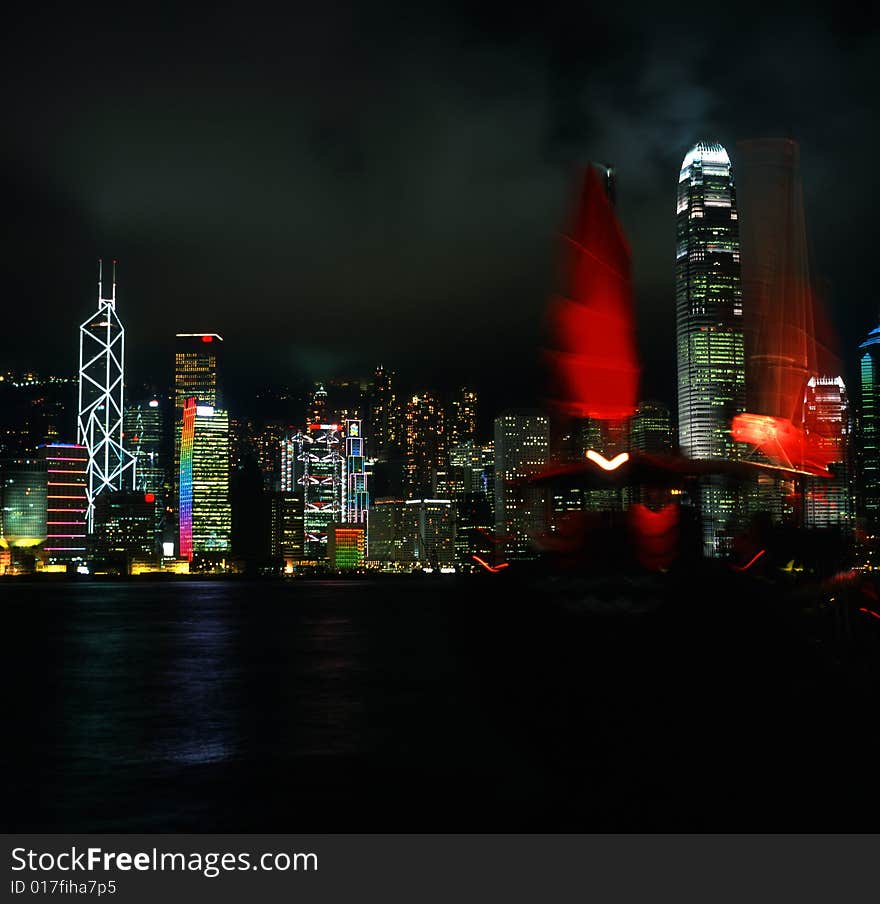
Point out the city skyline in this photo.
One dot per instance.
(749, 326)
(478, 428)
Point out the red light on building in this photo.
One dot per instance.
(207, 338)
(149, 497)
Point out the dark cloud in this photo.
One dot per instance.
(334, 186)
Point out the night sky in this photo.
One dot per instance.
(333, 186)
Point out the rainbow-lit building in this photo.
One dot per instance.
(204, 514)
(346, 546)
(197, 360)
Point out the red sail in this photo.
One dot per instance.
(592, 353)
(783, 309)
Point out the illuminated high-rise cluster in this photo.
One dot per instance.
(709, 327)
(384, 414)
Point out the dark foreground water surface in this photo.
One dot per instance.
(418, 705)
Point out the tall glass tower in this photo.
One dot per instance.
(869, 366)
(709, 327)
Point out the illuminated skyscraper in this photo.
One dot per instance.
(205, 516)
(650, 432)
(286, 531)
(357, 497)
(317, 408)
(196, 376)
(267, 444)
(101, 385)
(650, 429)
(828, 502)
(463, 417)
(522, 442)
(869, 441)
(196, 368)
(709, 327)
(144, 437)
(319, 460)
(66, 502)
(429, 529)
(383, 426)
(426, 446)
(388, 524)
(125, 527)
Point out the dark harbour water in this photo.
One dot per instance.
(416, 705)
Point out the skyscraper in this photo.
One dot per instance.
(286, 531)
(196, 376)
(145, 438)
(650, 432)
(316, 412)
(426, 446)
(522, 442)
(66, 501)
(650, 429)
(828, 502)
(429, 526)
(357, 496)
(709, 327)
(205, 515)
(383, 428)
(101, 386)
(318, 456)
(463, 417)
(125, 528)
(869, 444)
(196, 369)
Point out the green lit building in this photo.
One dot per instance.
(869, 439)
(22, 503)
(211, 511)
(709, 329)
